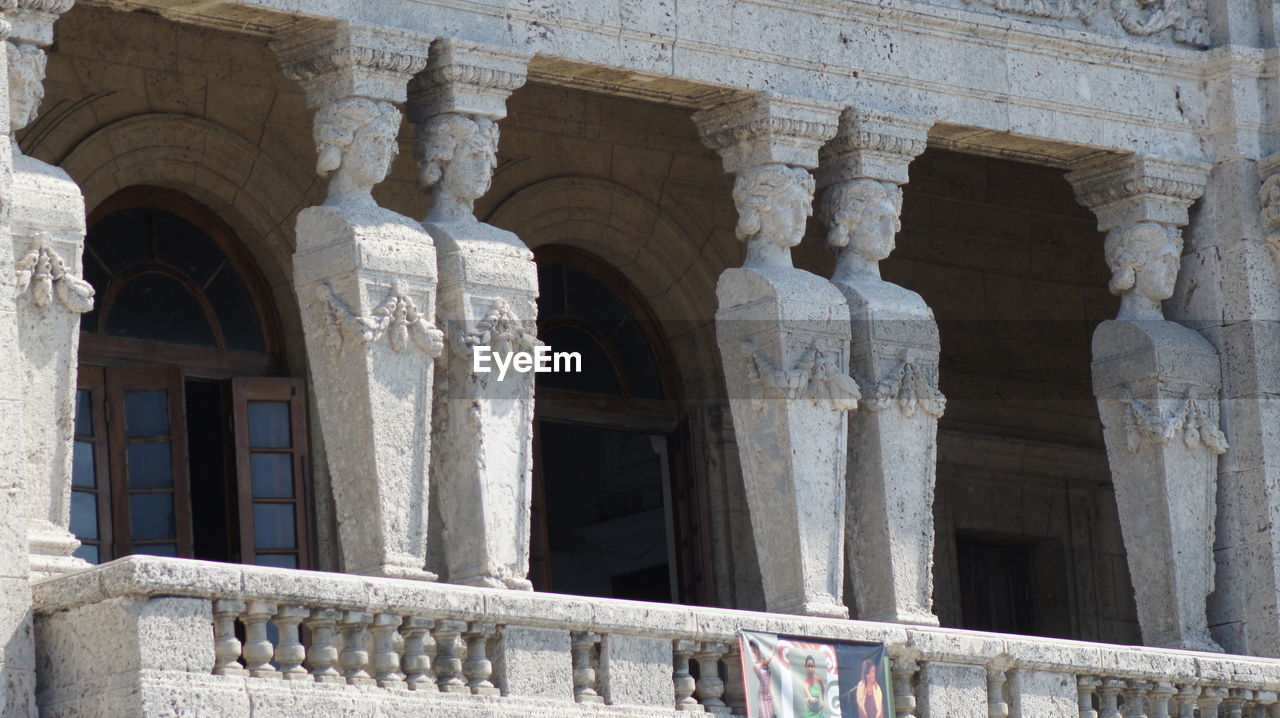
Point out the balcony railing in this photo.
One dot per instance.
(146, 636)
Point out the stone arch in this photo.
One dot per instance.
(647, 244)
(216, 167)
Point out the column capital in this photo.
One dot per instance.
(467, 78)
(767, 129)
(335, 61)
(32, 20)
(871, 144)
(1126, 190)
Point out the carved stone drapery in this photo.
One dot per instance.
(783, 337)
(894, 354)
(1157, 384)
(1188, 19)
(47, 229)
(366, 283)
(483, 468)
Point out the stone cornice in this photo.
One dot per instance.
(467, 78)
(1137, 188)
(764, 129)
(873, 144)
(335, 60)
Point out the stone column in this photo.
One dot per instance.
(483, 427)
(366, 283)
(47, 224)
(894, 356)
(783, 335)
(1157, 384)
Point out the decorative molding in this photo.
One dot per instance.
(873, 144)
(1138, 188)
(765, 129)
(1269, 208)
(467, 78)
(1142, 18)
(909, 387)
(45, 273)
(502, 331)
(334, 60)
(397, 318)
(54, 7)
(1146, 423)
(816, 376)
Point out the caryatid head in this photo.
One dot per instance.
(356, 141)
(862, 215)
(26, 82)
(773, 201)
(457, 155)
(1144, 259)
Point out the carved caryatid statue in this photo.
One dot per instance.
(47, 229)
(484, 425)
(893, 437)
(1157, 384)
(783, 337)
(366, 282)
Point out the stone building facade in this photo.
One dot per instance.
(950, 324)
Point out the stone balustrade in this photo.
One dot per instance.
(158, 636)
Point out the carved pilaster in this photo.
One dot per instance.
(894, 355)
(46, 224)
(366, 284)
(1157, 384)
(784, 341)
(488, 288)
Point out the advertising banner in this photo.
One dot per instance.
(795, 677)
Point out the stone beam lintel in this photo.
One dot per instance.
(1139, 188)
(335, 61)
(767, 129)
(467, 78)
(874, 145)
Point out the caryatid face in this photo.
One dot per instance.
(470, 172)
(371, 152)
(1157, 274)
(783, 221)
(26, 82)
(872, 230)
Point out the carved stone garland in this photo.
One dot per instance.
(1188, 18)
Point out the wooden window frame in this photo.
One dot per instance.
(93, 379)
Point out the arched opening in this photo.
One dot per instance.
(618, 509)
(189, 442)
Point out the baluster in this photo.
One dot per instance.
(290, 653)
(322, 655)
(1086, 687)
(258, 650)
(386, 662)
(1109, 691)
(997, 707)
(417, 663)
(478, 666)
(354, 659)
(447, 663)
(904, 700)
(681, 650)
(735, 689)
(1134, 699)
(1235, 702)
(710, 685)
(1160, 695)
(1210, 698)
(1185, 700)
(226, 647)
(1265, 704)
(583, 644)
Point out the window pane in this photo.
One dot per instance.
(273, 526)
(184, 246)
(269, 424)
(122, 239)
(279, 560)
(84, 514)
(235, 311)
(151, 517)
(87, 552)
(157, 549)
(84, 412)
(149, 465)
(146, 413)
(157, 306)
(272, 475)
(82, 465)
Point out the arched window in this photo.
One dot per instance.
(188, 442)
(618, 509)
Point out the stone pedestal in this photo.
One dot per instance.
(484, 425)
(1157, 384)
(781, 332)
(365, 278)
